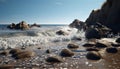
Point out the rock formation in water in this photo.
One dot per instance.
(108, 15)
(22, 25)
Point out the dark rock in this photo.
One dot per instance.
(77, 24)
(88, 45)
(54, 59)
(66, 53)
(115, 45)
(92, 33)
(61, 32)
(4, 53)
(112, 50)
(48, 51)
(92, 49)
(39, 48)
(100, 45)
(93, 55)
(22, 26)
(118, 40)
(107, 15)
(35, 25)
(14, 51)
(72, 46)
(11, 26)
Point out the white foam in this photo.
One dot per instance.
(36, 36)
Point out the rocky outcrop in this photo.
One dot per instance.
(22, 25)
(108, 15)
(77, 24)
(35, 25)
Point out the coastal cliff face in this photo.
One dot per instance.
(108, 15)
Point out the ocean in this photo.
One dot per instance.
(44, 35)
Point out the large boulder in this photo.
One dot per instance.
(93, 55)
(92, 33)
(108, 15)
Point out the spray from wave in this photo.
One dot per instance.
(36, 36)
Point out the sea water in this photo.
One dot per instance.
(44, 35)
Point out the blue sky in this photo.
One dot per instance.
(46, 11)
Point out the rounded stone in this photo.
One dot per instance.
(93, 55)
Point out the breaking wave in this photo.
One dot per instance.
(35, 36)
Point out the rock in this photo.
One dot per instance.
(115, 45)
(66, 53)
(48, 51)
(111, 50)
(72, 46)
(22, 26)
(6, 66)
(54, 59)
(118, 40)
(100, 45)
(14, 51)
(23, 54)
(93, 55)
(92, 33)
(107, 15)
(11, 26)
(35, 25)
(60, 32)
(77, 24)
(89, 45)
(92, 49)
(4, 53)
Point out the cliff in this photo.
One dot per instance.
(108, 15)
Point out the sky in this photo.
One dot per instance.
(46, 11)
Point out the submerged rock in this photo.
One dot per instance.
(93, 55)
(61, 32)
(72, 46)
(54, 59)
(66, 53)
(111, 50)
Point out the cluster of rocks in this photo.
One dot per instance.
(22, 26)
(97, 49)
(63, 53)
(103, 22)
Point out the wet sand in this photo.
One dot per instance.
(78, 61)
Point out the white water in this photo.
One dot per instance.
(36, 36)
